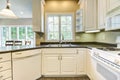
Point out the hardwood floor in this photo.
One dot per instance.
(65, 78)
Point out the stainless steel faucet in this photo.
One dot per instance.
(61, 39)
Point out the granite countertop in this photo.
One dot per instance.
(21, 48)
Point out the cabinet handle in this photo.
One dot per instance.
(18, 53)
(58, 57)
(61, 57)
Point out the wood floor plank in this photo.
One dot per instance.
(65, 78)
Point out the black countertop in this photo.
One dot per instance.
(71, 45)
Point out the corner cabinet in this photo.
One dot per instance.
(38, 15)
(91, 14)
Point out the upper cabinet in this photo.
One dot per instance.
(112, 4)
(91, 14)
(38, 15)
(79, 21)
(113, 15)
(80, 17)
(101, 14)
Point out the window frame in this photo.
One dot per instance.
(18, 34)
(60, 14)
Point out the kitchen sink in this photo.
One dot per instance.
(61, 45)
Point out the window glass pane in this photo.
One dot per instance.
(69, 20)
(5, 35)
(13, 33)
(30, 33)
(21, 32)
(65, 25)
(66, 29)
(56, 20)
(53, 28)
(63, 20)
(50, 20)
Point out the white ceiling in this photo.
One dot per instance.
(22, 8)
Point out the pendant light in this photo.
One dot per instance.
(7, 12)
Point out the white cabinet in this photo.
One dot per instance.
(38, 15)
(101, 14)
(59, 61)
(91, 14)
(63, 61)
(80, 16)
(81, 61)
(5, 66)
(68, 63)
(112, 5)
(51, 64)
(89, 65)
(79, 21)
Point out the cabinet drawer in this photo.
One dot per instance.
(55, 50)
(5, 65)
(5, 57)
(5, 74)
(68, 50)
(25, 53)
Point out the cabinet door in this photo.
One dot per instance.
(51, 64)
(101, 14)
(68, 64)
(81, 62)
(91, 13)
(91, 67)
(114, 4)
(38, 16)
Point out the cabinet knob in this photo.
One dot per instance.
(61, 57)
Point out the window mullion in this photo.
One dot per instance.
(59, 28)
(18, 33)
(10, 33)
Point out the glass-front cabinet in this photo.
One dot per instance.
(79, 21)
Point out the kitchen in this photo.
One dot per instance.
(60, 39)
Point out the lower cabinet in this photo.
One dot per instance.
(68, 63)
(81, 61)
(63, 62)
(5, 66)
(51, 64)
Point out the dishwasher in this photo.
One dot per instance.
(26, 65)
